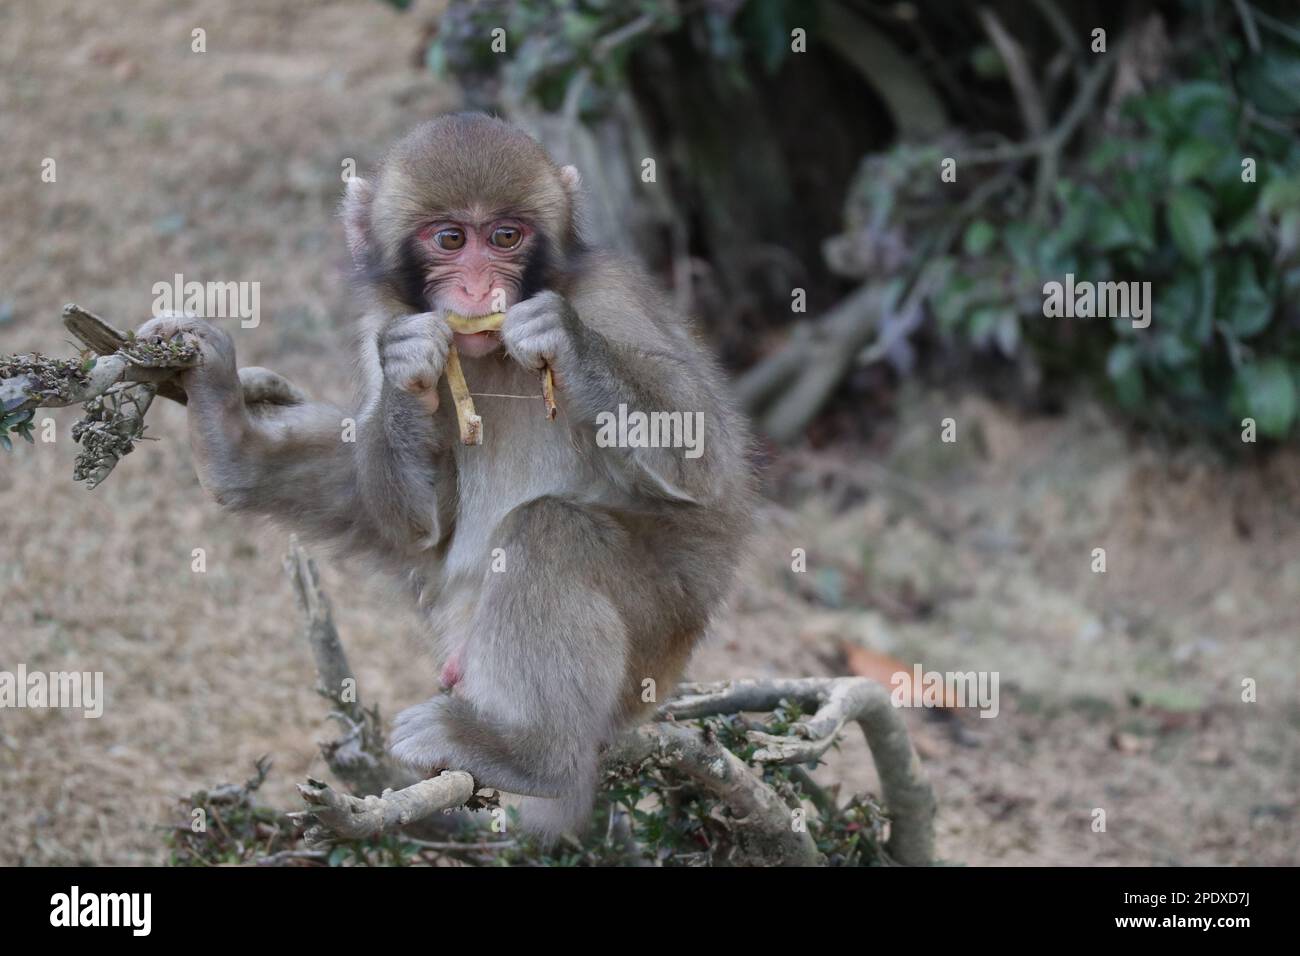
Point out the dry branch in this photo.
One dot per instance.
(103, 339)
(813, 363)
(358, 757)
(116, 385)
(916, 110)
(337, 816)
(762, 820)
(906, 791)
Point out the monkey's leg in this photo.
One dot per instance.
(544, 665)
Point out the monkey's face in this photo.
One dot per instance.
(468, 214)
(474, 266)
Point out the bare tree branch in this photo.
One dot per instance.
(358, 757)
(906, 791)
(338, 816)
(763, 823)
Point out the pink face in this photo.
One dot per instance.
(475, 268)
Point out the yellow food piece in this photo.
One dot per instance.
(481, 323)
(548, 393)
(471, 425)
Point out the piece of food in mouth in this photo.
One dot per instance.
(471, 424)
(480, 323)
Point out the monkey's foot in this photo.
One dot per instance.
(420, 734)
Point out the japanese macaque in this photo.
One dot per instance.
(564, 579)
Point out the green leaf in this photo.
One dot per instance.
(1130, 223)
(1110, 230)
(1190, 223)
(435, 59)
(1173, 351)
(980, 235)
(1177, 303)
(1245, 306)
(1272, 84)
(16, 420)
(1204, 328)
(1281, 192)
(1019, 240)
(1124, 369)
(1192, 159)
(952, 301)
(1267, 392)
(6, 443)
(1204, 107)
(1105, 155)
(1140, 213)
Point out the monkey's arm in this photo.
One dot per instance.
(404, 468)
(403, 453)
(378, 490)
(614, 353)
(287, 461)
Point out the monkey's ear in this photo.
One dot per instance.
(572, 180)
(356, 217)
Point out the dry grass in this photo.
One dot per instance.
(226, 166)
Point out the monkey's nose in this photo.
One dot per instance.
(479, 298)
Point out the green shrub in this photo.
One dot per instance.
(1169, 202)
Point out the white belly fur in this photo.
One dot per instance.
(523, 456)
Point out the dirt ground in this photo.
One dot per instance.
(1119, 690)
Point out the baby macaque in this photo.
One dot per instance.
(565, 578)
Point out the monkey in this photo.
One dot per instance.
(563, 579)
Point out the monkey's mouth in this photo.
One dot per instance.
(477, 344)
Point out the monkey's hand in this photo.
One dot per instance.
(541, 331)
(217, 373)
(413, 352)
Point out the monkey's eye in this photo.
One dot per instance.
(505, 237)
(449, 239)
